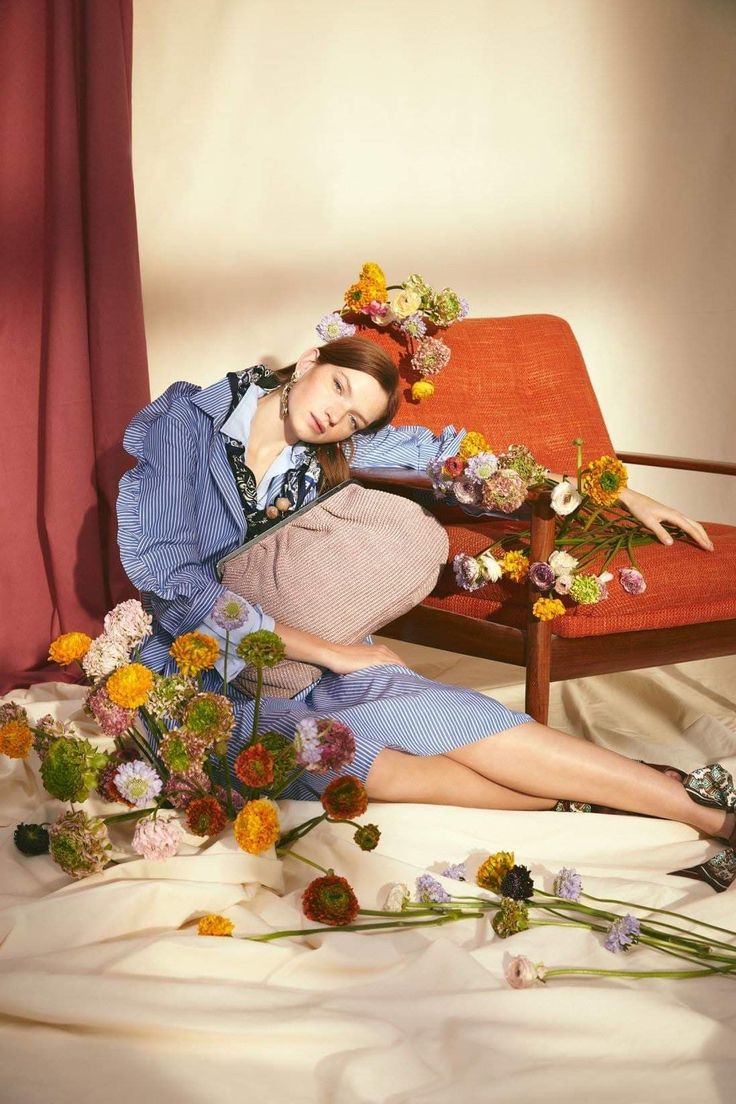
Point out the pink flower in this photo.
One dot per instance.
(522, 973)
(632, 580)
(157, 839)
(112, 718)
(431, 356)
(323, 745)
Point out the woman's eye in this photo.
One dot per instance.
(354, 424)
(338, 385)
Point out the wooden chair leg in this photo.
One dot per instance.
(538, 663)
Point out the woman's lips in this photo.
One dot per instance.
(317, 424)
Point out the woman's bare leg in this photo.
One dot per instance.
(436, 780)
(538, 760)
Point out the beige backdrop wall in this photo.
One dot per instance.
(575, 157)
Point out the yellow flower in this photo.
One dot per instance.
(194, 652)
(472, 444)
(405, 302)
(515, 565)
(212, 924)
(130, 686)
(360, 294)
(422, 389)
(373, 273)
(69, 647)
(16, 740)
(547, 608)
(257, 826)
(604, 479)
(493, 871)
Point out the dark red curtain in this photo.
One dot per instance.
(72, 345)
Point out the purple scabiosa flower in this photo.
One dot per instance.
(230, 611)
(157, 839)
(456, 871)
(137, 782)
(306, 744)
(413, 325)
(522, 973)
(568, 884)
(332, 326)
(430, 891)
(541, 575)
(468, 574)
(622, 933)
(464, 307)
(113, 719)
(467, 491)
(632, 580)
(483, 465)
(504, 491)
(431, 356)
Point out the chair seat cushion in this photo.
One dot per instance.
(685, 586)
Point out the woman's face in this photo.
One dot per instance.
(328, 403)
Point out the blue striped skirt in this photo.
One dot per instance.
(385, 706)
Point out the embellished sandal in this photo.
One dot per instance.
(712, 786)
(719, 872)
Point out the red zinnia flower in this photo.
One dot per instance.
(254, 766)
(345, 798)
(330, 900)
(205, 816)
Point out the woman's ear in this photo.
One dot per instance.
(307, 360)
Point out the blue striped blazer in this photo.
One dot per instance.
(179, 511)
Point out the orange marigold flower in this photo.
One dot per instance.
(330, 900)
(360, 294)
(493, 871)
(373, 272)
(205, 816)
(213, 924)
(473, 443)
(254, 766)
(16, 740)
(130, 686)
(257, 826)
(547, 608)
(195, 652)
(69, 647)
(604, 479)
(344, 798)
(515, 565)
(422, 389)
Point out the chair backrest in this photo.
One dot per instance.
(519, 380)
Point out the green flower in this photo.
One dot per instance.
(446, 307)
(78, 844)
(31, 839)
(261, 649)
(70, 768)
(181, 750)
(512, 917)
(585, 590)
(367, 836)
(169, 696)
(284, 756)
(519, 459)
(209, 716)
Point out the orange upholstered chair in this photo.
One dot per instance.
(522, 380)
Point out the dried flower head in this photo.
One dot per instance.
(367, 837)
(512, 917)
(79, 844)
(31, 839)
(16, 739)
(494, 869)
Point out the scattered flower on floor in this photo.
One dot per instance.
(330, 900)
(430, 890)
(31, 839)
(512, 917)
(568, 884)
(522, 973)
(422, 389)
(494, 869)
(622, 933)
(212, 924)
(397, 898)
(367, 837)
(455, 870)
(518, 883)
(632, 580)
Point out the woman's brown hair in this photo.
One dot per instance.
(362, 356)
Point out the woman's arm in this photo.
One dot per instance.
(340, 658)
(404, 447)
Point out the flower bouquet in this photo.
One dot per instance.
(169, 767)
(591, 527)
(414, 310)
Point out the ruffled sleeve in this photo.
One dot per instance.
(405, 447)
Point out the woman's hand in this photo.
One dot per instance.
(651, 514)
(345, 658)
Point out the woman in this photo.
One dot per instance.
(219, 464)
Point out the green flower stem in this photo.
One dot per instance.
(303, 859)
(636, 973)
(648, 908)
(257, 707)
(630, 550)
(578, 443)
(292, 778)
(228, 786)
(300, 830)
(224, 669)
(134, 814)
(355, 927)
(160, 732)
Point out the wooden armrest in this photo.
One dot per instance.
(418, 486)
(380, 478)
(715, 467)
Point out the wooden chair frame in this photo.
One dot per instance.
(546, 657)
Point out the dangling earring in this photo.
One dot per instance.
(284, 405)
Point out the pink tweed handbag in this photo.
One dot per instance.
(341, 567)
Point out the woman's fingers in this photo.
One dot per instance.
(693, 529)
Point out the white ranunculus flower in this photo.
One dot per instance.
(562, 563)
(522, 973)
(490, 566)
(404, 303)
(563, 584)
(398, 895)
(565, 498)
